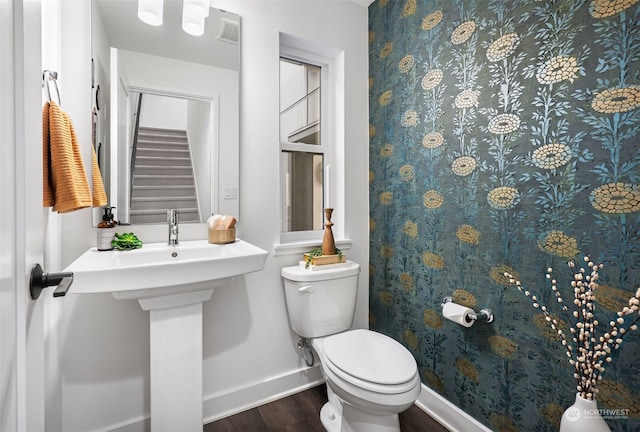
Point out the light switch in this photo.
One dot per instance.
(230, 192)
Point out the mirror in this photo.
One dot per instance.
(165, 113)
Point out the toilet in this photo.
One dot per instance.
(370, 377)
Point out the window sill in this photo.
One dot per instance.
(299, 248)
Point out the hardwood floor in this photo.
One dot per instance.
(301, 413)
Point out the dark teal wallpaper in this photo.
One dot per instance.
(504, 136)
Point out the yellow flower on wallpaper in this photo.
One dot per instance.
(406, 280)
(551, 156)
(372, 225)
(432, 20)
(386, 251)
(617, 100)
(372, 176)
(615, 395)
(386, 298)
(409, 8)
(542, 324)
(410, 339)
(386, 198)
(503, 47)
(503, 197)
(409, 119)
(433, 140)
(552, 413)
(432, 260)
(372, 131)
(468, 234)
(386, 50)
(502, 346)
(372, 37)
(558, 69)
(503, 124)
(467, 99)
(497, 274)
(558, 243)
(463, 166)
(612, 298)
(373, 320)
(406, 63)
(616, 198)
(464, 298)
(463, 32)
(502, 423)
(432, 318)
(433, 380)
(432, 199)
(431, 79)
(386, 150)
(410, 229)
(406, 172)
(467, 369)
(607, 8)
(385, 98)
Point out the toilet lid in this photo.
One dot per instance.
(370, 356)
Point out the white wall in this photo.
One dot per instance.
(163, 112)
(247, 340)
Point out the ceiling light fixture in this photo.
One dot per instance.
(193, 14)
(150, 11)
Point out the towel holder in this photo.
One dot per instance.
(47, 76)
(40, 280)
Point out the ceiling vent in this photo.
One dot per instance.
(229, 31)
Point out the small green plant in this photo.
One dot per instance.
(126, 241)
(313, 253)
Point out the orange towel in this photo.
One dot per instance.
(99, 195)
(65, 184)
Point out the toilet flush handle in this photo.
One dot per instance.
(306, 288)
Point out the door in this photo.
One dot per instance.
(21, 216)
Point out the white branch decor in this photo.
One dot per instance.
(587, 352)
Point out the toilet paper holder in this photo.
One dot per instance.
(484, 315)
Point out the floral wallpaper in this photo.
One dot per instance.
(504, 137)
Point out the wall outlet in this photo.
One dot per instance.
(230, 192)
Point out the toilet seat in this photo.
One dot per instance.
(370, 361)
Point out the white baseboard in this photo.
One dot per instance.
(446, 413)
(141, 424)
(231, 402)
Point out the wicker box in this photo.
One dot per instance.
(222, 236)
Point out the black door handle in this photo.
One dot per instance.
(40, 280)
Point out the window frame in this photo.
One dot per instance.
(325, 148)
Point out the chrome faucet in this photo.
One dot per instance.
(172, 220)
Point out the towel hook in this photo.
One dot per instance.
(49, 75)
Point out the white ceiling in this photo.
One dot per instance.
(125, 31)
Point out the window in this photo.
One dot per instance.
(303, 146)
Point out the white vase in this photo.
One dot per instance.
(583, 416)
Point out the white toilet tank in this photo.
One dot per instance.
(321, 302)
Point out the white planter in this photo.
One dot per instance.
(583, 416)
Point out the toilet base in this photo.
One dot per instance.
(356, 420)
(330, 420)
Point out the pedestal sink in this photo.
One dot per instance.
(170, 282)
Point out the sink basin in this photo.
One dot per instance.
(163, 272)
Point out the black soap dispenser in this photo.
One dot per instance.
(106, 230)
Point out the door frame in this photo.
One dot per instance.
(22, 359)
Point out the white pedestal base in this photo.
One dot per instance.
(176, 369)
